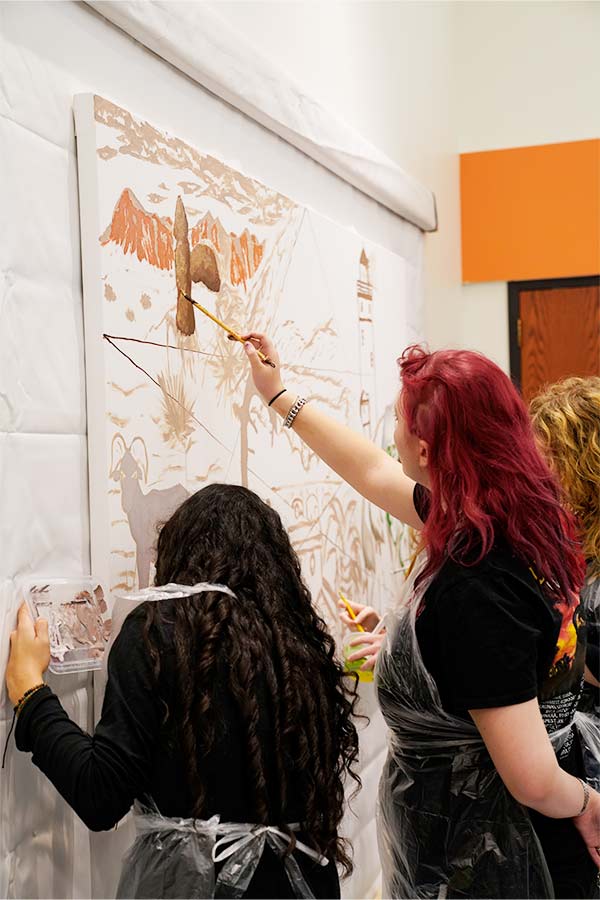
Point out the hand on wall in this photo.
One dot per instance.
(29, 655)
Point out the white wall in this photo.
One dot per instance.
(386, 68)
(526, 73)
(537, 69)
(426, 81)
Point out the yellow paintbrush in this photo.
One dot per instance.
(346, 603)
(356, 665)
(230, 331)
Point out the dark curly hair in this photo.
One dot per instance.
(269, 633)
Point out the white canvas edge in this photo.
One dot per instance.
(95, 376)
(223, 61)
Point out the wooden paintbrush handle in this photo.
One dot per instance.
(229, 330)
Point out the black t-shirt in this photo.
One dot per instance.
(131, 755)
(590, 598)
(489, 636)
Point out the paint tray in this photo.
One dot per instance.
(79, 620)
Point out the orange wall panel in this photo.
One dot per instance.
(531, 212)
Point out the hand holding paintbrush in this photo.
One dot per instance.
(233, 335)
(357, 615)
(360, 653)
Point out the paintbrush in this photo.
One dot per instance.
(233, 334)
(355, 665)
(350, 611)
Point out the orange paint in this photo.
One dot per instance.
(150, 237)
(245, 251)
(258, 254)
(246, 254)
(531, 212)
(140, 232)
(244, 248)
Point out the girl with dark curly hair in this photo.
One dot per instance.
(228, 702)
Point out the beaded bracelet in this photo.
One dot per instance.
(16, 710)
(26, 696)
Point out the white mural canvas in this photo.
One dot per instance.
(171, 405)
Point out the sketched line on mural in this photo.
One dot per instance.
(321, 369)
(224, 446)
(233, 452)
(118, 337)
(160, 387)
(175, 400)
(110, 339)
(311, 529)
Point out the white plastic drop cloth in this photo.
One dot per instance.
(49, 52)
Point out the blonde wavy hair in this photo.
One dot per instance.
(566, 419)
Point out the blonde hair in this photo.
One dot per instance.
(566, 419)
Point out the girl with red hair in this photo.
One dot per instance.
(485, 789)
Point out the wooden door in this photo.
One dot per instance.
(555, 331)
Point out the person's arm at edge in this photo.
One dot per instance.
(518, 743)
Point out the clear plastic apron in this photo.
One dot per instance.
(174, 858)
(447, 826)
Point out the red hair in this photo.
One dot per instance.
(487, 477)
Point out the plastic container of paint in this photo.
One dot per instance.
(354, 665)
(79, 620)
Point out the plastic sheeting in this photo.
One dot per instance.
(177, 857)
(448, 827)
(51, 51)
(221, 60)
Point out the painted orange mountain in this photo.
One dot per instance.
(150, 238)
(242, 254)
(137, 231)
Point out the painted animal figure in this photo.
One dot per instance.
(144, 511)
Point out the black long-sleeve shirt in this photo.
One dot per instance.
(130, 755)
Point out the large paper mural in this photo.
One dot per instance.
(171, 405)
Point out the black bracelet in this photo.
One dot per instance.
(276, 396)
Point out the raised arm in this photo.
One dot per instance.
(363, 465)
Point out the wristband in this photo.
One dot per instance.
(276, 396)
(26, 696)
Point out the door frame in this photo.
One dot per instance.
(514, 328)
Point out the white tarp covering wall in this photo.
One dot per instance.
(49, 53)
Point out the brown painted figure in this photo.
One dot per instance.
(144, 511)
(183, 279)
